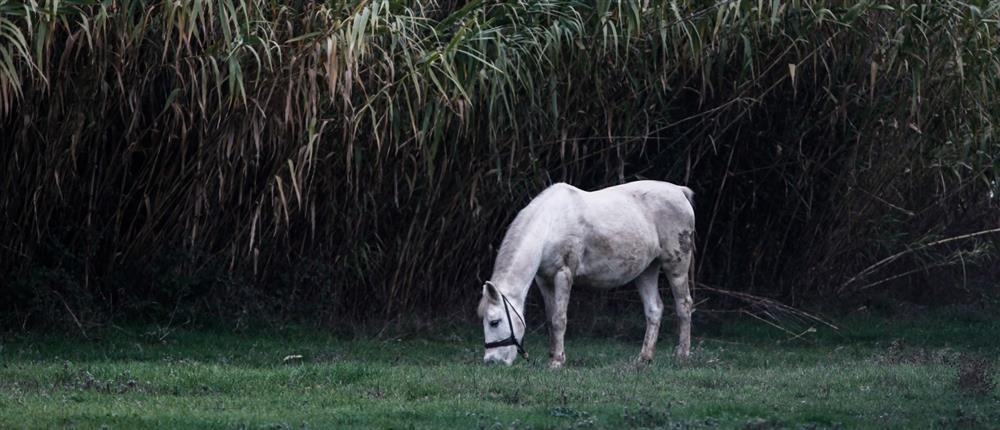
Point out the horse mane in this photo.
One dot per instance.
(520, 228)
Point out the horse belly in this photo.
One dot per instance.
(613, 263)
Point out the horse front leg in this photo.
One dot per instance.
(548, 296)
(562, 283)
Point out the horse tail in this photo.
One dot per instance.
(689, 195)
(691, 272)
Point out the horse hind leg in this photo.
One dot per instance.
(677, 274)
(652, 305)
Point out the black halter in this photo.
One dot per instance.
(510, 340)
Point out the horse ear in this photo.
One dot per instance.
(490, 291)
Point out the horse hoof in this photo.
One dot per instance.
(556, 364)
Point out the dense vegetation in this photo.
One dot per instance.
(926, 372)
(336, 159)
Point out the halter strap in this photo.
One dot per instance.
(510, 340)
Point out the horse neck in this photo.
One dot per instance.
(520, 256)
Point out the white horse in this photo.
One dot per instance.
(600, 239)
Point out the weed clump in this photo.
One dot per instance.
(976, 377)
(645, 415)
(84, 380)
(899, 353)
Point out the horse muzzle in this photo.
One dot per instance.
(503, 356)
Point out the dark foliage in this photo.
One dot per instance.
(339, 160)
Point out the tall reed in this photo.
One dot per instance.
(342, 159)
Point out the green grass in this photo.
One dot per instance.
(874, 373)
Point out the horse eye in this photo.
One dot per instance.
(494, 323)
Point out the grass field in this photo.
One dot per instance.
(873, 373)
